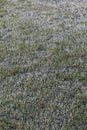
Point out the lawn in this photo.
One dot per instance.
(43, 65)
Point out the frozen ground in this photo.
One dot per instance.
(43, 65)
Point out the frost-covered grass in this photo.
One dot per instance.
(43, 65)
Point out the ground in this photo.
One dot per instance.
(43, 65)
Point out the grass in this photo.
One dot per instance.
(78, 116)
(2, 2)
(3, 12)
(43, 67)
